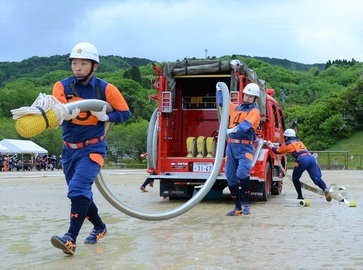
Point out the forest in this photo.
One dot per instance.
(326, 100)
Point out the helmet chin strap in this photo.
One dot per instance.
(83, 79)
(249, 103)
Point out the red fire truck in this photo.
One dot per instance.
(183, 130)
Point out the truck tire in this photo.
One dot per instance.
(266, 192)
(276, 188)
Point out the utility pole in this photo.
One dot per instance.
(206, 53)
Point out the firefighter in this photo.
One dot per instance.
(84, 145)
(243, 122)
(304, 161)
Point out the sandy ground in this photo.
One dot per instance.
(33, 207)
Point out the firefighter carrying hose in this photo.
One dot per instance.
(84, 145)
(243, 122)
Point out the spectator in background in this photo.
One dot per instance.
(336, 163)
(38, 163)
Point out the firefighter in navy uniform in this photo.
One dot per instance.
(304, 161)
(243, 123)
(84, 145)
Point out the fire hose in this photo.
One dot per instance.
(108, 195)
(46, 112)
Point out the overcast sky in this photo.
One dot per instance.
(304, 31)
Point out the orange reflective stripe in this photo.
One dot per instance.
(249, 156)
(97, 158)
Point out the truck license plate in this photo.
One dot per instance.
(202, 166)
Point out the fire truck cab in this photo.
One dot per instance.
(183, 130)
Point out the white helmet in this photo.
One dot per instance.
(289, 133)
(252, 89)
(85, 50)
(235, 63)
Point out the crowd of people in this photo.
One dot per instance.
(40, 163)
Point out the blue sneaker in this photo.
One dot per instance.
(95, 235)
(65, 243)
(246, 209)
(235, 212)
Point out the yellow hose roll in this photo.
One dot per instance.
(201, 146)
(31, 125)
(191, 147)
(210, 145)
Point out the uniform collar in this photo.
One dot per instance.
(249, 106)
(92, 82)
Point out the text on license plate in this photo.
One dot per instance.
(202, 166)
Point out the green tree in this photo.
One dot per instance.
(327, 103)
(51, 140)
(136, 75)
(8, 130)
(50, 78)
(127, 74)
(136, 96)
(128, 140)
(19, 93)
(352, 110)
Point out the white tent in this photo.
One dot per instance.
(3, 149)
(22, 147)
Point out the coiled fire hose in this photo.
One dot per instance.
(107, 194)
(47, 112)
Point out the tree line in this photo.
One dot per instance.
(326, 103)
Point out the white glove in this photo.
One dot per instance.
(276, 145)
(102, 115)
(231, 130)
(271, 144)
(73, 114)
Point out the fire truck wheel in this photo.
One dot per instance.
(276, 188)
(266, 186)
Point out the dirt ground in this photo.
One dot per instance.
(33, 207)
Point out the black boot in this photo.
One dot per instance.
(237, 201)
(297, 186)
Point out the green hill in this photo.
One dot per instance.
(354, 145)
(354, 157)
